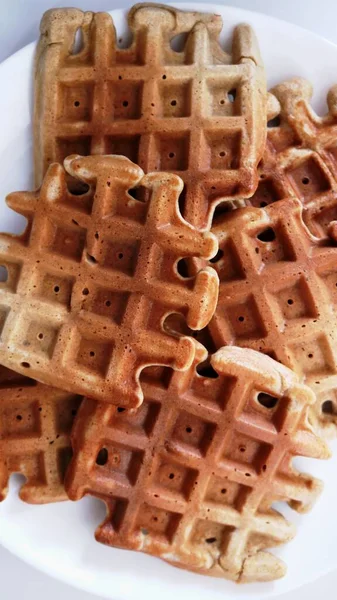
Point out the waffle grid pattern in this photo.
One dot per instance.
(278, 293)
(152, 104)
(89, 286)
(35, 426)
(191, 476)
(300, 156)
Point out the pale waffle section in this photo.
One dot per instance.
(191, 476)
(35, 426)
(278, 295)
(92, 279)
(300, 158)
(198, 112)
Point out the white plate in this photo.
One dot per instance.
(58, 539)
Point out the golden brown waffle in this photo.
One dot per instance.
(300, 158)
(278, 295)
(35, 425)
(92, 279)
(191, 475)
(199, 112)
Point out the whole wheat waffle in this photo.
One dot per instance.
(35, 425)
(191, 475)
(300, 158)
(92, 279)
(198, 112)
(278, 295)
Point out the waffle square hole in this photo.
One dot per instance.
(69, 242)
(122, 256)
(212, 536)
(126, 146)
(9, 276)
(175, 478)
(140, 422)
(174, 323)
(272, 245)
(314, 357)
(64, 456)
(56, 289)
(72, 145)
(65, 409)
(156, 317)
(193, 432)
(20, 418)
(175, 100)
(223, 491)
(135, 205)
(330, 281)
(308, 179)
(4, 310)
(107, 303)
(247, 451)
(208, 385)
(94, 356)
(281, 138)
(227, 261)
(223, 101)
(172, 152)
(40, 339)
(157, 522)
(223, 149)
(3, 274)
(264, 409)
(318, 218)
(118, 513)
(117, 459)
(127, 100)
(34, 471)
(296, 301)
(76, 103)
(160, 377)
(142, 195)
(245, 320)
(265, 194)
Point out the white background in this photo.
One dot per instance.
(19, 21)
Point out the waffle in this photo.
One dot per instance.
(92, 279)
(300, 155)
(35, 425)
(198, 112)
(278, 295)
(190, 476)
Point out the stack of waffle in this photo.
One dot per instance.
(168, 318)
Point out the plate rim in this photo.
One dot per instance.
(242, 14)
